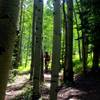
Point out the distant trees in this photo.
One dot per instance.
(24, 24)
(21, 19)
(89, 26)
(8, 20)
(87, 33)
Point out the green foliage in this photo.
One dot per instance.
(22, 69)
(77, 65)
(47, 29)
(11, 77)
(26, 30)
(90, 17)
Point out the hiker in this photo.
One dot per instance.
(46, 61)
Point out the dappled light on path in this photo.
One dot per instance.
(70, 94)
(82, 89)
(16, 88)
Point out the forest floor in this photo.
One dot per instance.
(17, 87)
(84, 88)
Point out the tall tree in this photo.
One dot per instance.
(96, 34)
(8, 20)
(69, 43)
(56, 50)
(84, 37)
(65, 27)
(28, 50)
(78, 34)
(20, 30)
(37, 49)
(33, 39)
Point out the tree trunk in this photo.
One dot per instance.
(42, 72)
(95, 65)
(37, 50)
(16, 55)
(21, 31)
(33, 39)
(69, 44)
(8, 20)
(27, 49)
(65, 27)
(56, 50)
(84, 38)
(96, 37)
(78, 33)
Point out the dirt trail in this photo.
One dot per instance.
(83, 89)
(16, 88)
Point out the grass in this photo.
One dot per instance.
(77, 64)
(23, 69)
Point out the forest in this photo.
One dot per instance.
(49, 50)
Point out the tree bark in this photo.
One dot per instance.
(56, 50)
(37, 50)
(69, 44)
(8, 20)
(16, 55)
(84, 38)
(21, 19)
(33, 39)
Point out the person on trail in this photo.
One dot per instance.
(46, 61)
